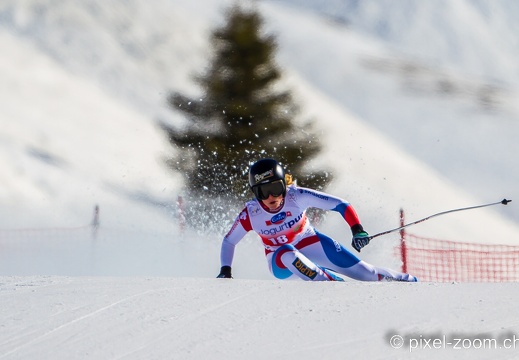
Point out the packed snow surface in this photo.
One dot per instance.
(49, 317)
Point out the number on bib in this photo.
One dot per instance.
(279, 240)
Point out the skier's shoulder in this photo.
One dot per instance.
(293, 191)
(252, 208)
(298, 191)
(301, 196)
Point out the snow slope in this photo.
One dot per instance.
(64, 141)
(141, 52)
(395, 75)
(79, 130)
(71, 166)
(186, 318)
(473, 37)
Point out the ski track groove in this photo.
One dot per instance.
(74, 321)
(189, 319)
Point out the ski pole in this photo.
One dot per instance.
(504, 202)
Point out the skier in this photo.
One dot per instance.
(293, 247)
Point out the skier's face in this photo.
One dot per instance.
(273, 202)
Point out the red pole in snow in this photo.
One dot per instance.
(403, 250)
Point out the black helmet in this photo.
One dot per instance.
(267, 171)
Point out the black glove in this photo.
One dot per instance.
(225, 273)
(360, 237)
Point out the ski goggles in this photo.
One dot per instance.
(263, 191)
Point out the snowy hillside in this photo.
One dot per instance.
(85, 82)
(80, 62)
(65, 142)
(473, 37)
(424, 74)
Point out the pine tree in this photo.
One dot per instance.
(241, 117)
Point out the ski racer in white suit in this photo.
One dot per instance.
(293, 248)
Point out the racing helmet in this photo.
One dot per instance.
(267, 177)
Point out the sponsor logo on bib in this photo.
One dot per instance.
(278, 218)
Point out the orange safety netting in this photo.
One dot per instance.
(444, 261)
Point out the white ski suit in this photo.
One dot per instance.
(294, 249)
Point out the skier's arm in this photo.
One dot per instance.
(360, 236)
(240, 227)
(348, 213)
(324, 201)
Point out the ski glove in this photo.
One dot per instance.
(225, 273)
(360, 239)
